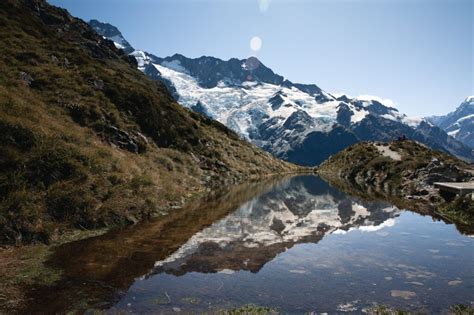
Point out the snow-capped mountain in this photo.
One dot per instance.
(459, 123)
(111, 32)
(300, 123)
(300, 210)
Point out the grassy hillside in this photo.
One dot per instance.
(87, 141)
(403, 172)
(389, 165)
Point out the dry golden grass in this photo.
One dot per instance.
(68, 99)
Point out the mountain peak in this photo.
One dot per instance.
(254, 101)
(469, 99)
(111, 32)
(459, 123)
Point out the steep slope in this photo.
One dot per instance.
(88, 141)
(460, 123)
(296, 122)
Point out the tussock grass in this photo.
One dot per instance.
(89, 141)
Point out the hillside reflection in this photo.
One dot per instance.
(298, 210)
(242, 228)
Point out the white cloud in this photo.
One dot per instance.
(372, 228)
(385, 101)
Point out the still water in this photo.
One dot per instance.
(296, 245)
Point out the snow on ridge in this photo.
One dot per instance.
(175, 65)
(413, 122)
(141, 57)
(118, 46)
(358, 114)
(384, 101)
(462, 119)
(118, 39)
(244, 106)
(454, 132)
(241, 110)
(469, 99)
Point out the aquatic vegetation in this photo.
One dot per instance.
(385, 310)
(461, 211)
(460, 309)
(250, 309)
(191, 300)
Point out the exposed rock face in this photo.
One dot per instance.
(210, 71)
(111, 32)
(404, 172)
(262, 107)
(460, 123)
(437, 171)
(400, 168)
(26, 78)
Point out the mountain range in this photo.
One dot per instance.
(296, 122)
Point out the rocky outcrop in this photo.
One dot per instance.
(400, 168)
(109, 31)
(403, 172)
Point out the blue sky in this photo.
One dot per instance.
(418, 53)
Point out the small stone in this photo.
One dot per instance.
(25, 77)
(54, 59)
(454, 282)
(402, 294)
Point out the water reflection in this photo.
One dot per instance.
(296, 244)
(298, 210)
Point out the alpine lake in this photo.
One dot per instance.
(291, 245)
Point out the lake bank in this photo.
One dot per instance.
(298, 233)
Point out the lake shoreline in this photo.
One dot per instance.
(102, 271)
(403, 172)
(22, 264)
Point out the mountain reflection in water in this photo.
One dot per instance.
(294, 243)
(298, 210)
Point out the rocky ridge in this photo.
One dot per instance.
(403, 172)
(297, 122)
